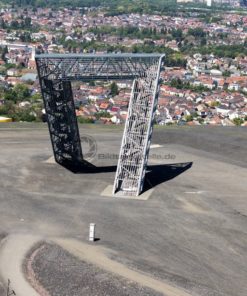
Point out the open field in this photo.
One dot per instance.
(191, 234)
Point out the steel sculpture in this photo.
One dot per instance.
(56, 71)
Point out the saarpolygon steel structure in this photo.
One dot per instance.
(57, 71)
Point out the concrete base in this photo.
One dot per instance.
(50, 160)
(144, 196)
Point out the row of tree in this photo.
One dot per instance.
(142, 33)
(23, 23)
(115, 6)
(180, 84)
(222, 51)
(147, 47)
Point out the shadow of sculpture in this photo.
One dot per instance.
(85, 167)
(155, 174)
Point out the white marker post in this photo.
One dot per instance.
(92, 232)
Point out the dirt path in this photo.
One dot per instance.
(13, 250)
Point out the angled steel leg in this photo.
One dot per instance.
(137, 135)
(62, 122)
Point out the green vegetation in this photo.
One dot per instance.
(129, 31)
(84, 120)
(189, 118)
(222, 51)
(19, 93)
(173, 59)
(201, 120)
(238, 121)
(215, 104)
(210, 18)
(23, 114)
(114, 89)
(11, 110)
(179, 84)
(197, 32)
(226, 73)
(100, 114)
(6, 108)
(114, 6)
(22, 23)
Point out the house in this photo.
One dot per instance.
(114, 110)
(215, 73)
(31, 65)
(234, 86)
(13, 80)
(221, 83)
(206, 81)
(104, 106)
(222, 110)
(233, 114)
(215, 120)
(12, 72)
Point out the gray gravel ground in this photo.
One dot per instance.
(190, 233)
(2, 288)
(224, 143)
(62, 274)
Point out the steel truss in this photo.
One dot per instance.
(56, 73)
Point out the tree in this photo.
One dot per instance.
(177, 34)
(238, 121)
(4, 52)
(177, 83)
(25, 37)
(203, 41)
(197, 32)
(201, 120)
(22, 114)
(189, 118)
(22, 92)
(2, 24)
(226, 73)
(114, 89)
(100, 114)
(27, 22)
(7, 108)
(36, 98)
(10, 95)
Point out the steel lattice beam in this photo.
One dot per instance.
(56, 73)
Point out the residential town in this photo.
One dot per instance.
(204, 79)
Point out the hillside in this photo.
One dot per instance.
(124, 5)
